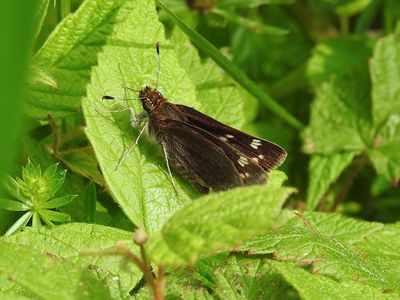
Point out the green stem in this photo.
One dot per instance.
(233, 70)
(290, 83)
(256, 26)
(65, 9)
(344, 25)
(367, 16)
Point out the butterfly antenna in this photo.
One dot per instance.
(159, 63)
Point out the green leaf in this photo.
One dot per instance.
(13, 188)
(82, 161)
(48, 277)
(54, 183)
(44, 218)
(38, 76)
(12, 296)
(58, 202)
(50, 172)
(385, 155)
(337, 55)
(219, 98)
(217, 222)
(36, 220)
(311, 286)
(385, 73)
(141, 185)
(13, 205)
(89, 203)
(366, 18)
(344, 8)
(231, 69)
(182, 284)
(31, 174)
(19, 224)
(39, 11)
(350, 7)
(206, 266)
(54, 216)
(246, 278)
(340, 115)
(329, 246)
(68, 240)
(323, 170)
(67, 57)
(384, 241)
(344, 118)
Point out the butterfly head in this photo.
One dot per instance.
(150, 98)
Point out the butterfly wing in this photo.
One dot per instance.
(264, 153)
(198, 159)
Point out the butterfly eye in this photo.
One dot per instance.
(147, 105)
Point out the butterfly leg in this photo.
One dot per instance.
(125, 155)
(168, 167)
(125, 87)
(136, 121)
(115, 110)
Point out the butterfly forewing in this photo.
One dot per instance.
(262, 152)
(249, 171)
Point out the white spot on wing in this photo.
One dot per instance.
(242, 161)
(255, 143)
(255, 159)
(242, 176)
(222, 138)
(260, 156)
(247, 175)
(229, 136)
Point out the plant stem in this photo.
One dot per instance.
(344, 25)
(348, 182)
(65, 9)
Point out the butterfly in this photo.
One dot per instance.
(208, 153)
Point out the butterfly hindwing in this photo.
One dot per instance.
(198, 159)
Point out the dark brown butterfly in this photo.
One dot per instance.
(206, 152)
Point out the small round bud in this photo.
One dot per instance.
(140, 237)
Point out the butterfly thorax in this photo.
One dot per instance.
(151, 98)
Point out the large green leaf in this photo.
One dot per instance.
(312, 286)
(217, 222)
(329, 243)
(348, 117)
(141, 185)
(66, 241)
(337, 55)
(67, 56)
(340, 114)
(44, 276)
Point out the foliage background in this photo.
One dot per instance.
(320, 78)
